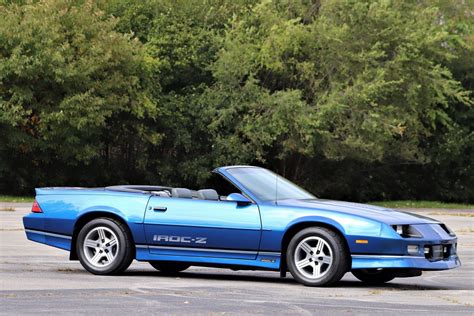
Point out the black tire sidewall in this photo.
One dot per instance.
(122, 252)
(338, 264)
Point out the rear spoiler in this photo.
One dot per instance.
(57, 190)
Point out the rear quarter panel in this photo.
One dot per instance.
(62, 209)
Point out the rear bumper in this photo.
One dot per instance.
(51, 239)
(384, 261)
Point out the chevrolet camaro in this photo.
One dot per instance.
(251, 218)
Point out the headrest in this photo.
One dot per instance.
(208, 194)
(161, 193)
(181, 193)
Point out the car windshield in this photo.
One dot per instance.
(268, 186)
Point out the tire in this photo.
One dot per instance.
(104, 246)
(374, 276)
(169, 267)
(317, 256)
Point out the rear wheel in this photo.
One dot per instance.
(374, 276)
(317, 256)
(169, 267)
(104, 246)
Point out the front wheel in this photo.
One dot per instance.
(317, 256)
(374, 276)
(104, 246)
(169, 267)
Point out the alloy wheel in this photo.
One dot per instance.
(101, 246)
(313, 257)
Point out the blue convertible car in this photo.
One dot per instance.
(250, 219)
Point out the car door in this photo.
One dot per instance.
(202, 228)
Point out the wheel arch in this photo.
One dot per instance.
(299, 226)
(87, 217)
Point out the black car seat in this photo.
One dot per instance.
(181, 193)
(208, 194)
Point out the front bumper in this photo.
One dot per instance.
(388, 261)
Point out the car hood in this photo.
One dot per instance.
(385, 215)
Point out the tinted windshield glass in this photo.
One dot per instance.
(268, 186)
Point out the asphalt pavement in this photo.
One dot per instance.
(38, 279)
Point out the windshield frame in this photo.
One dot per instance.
(224, 171)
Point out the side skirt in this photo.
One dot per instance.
(211, 257)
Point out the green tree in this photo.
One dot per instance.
(353, 99)
(71, 92)
(181, 40)
(373, 75)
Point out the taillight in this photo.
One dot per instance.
(36, 208)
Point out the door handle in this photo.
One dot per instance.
(160, 208)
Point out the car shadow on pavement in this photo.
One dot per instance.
(288, 280)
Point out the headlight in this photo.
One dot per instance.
(407, 231)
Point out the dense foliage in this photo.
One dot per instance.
(358, 100)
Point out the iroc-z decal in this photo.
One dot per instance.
(181, 239)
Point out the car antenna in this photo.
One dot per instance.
(276, 190)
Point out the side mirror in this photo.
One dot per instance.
(239, 198)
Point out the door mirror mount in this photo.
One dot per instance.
(239, 198)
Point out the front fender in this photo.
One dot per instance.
(278, 221)
(348, 225)
(315, 219)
